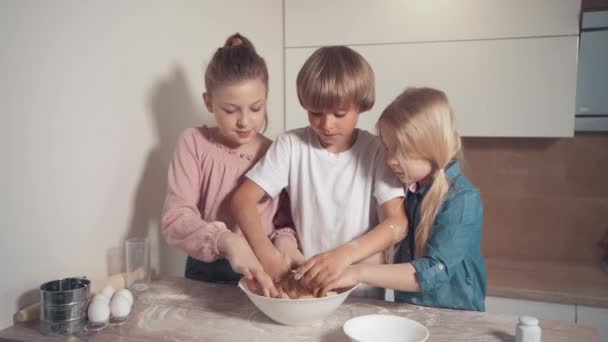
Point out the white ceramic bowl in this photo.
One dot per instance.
(296, 311)
(385, 328)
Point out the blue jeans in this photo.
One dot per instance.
(218, 271)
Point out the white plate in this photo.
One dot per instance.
(385, 328)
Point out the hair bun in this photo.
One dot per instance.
(236, 41)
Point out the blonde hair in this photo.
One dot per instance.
(422, 123)
(336, 76)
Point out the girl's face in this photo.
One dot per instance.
(239, 110)
(408, 167)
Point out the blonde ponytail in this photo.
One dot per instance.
(429, 209)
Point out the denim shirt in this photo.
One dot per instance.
(452, 274)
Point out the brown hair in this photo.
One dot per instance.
(335, 76)
(423, 125)
(236, 61)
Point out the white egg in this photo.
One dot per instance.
(102, 298)
(98, 312)
(120, 307)
(126, 294)
(107, 291)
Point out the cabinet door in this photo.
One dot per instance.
(346, 22)
(508, 87)
(595, 317)
(540, 310)
(592, 81)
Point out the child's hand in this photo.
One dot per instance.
(287, 246)
(242, 260)
(322, 269)
(260, 282)
(277, 266)
(349, 278)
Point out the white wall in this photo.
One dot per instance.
(93, 95)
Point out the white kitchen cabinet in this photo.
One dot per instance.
(540, 310)
(509, 68)
(507, 87)
(347, 22)
(595, 317)
(592, 80)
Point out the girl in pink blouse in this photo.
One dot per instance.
(209, 163)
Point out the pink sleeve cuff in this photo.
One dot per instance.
(198, 241)
(209, 251)
(283, 232)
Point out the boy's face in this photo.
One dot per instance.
(335, 128)
(239, 110)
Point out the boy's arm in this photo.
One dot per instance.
(284, 235)
(325, 268)
(247, 217)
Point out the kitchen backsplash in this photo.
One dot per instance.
(543, 198)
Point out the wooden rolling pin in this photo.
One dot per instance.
(117, 281)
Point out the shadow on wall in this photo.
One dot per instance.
(173, 109)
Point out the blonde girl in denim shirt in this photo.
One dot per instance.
(439, 263)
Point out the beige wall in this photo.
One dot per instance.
(93, 96)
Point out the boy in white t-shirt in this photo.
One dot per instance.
(335, 174)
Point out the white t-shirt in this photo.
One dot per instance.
(334, 197)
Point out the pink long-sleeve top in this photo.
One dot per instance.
(203, 175)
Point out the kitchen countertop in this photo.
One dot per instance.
(557, 282)
(177, 309)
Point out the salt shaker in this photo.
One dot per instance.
(527, 330)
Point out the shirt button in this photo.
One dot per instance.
(440, 267)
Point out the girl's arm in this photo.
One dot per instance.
(384, 276)
(182, 225)
(456, 232)
(287, 246)
(243, 261)
(247, 217)
(325, 268)
(401, 277)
